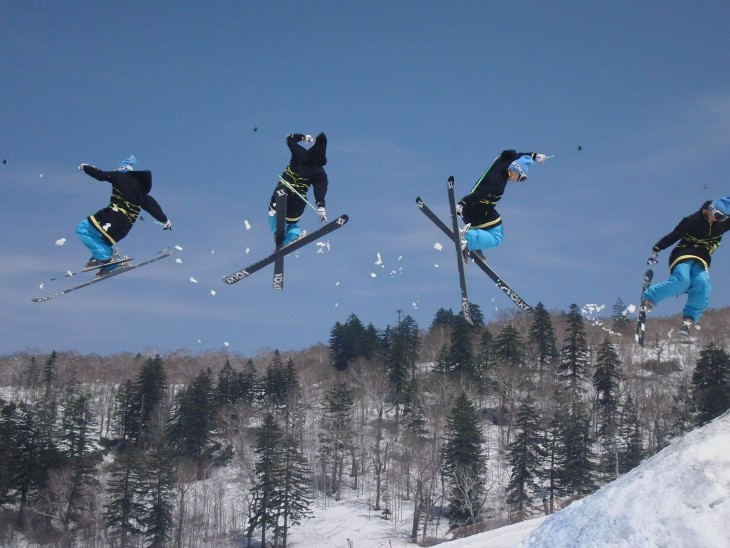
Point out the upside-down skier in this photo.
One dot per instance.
(305, 169)
(699, 235)
(102, 231)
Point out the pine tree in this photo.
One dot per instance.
(126, 489)
(711, 384)
(574, 353)
(335, 437)
(150, 391)
(294, 496)
(620, 320)
(443, 317)
(193, 419)
(267, 485)
(464, 463)
(9, 452)
(248, 384)
(160, 484)
(542, 340)
(631, 451)
(577, 468)
(400, 360)
(606, 379)
(226, 389)
(525, 458)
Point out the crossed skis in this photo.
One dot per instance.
(454, 235)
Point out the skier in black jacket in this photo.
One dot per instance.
(483, 229)
(699, 235)
(130, 194)
(305, 169)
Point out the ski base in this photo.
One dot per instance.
(641, 318)
(286, 250)
(119, 270)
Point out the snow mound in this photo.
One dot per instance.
(678, 497)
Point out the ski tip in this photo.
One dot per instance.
(451, 179)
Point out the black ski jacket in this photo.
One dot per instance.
(479, 205)
(130, 193)
(698, 238)
(306, 167)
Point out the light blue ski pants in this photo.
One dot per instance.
(688, 277)
(480, 239)
(94, 240)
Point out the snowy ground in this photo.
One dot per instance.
(680, 497)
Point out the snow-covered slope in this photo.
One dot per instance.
(679, 497)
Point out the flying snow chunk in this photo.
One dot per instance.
(225, 343)
(631, 308)
(379, 261)
(247, 225)
(42, 175)
(212, 251)
(193, 280)
(178, 248)
(61, 241)
(247, 250)
(337, 284)
(212, 292)
(178, 260)
(373, 275)
(437, 246)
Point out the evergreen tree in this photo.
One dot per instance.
(509, 348)
(193, 419)
(248, 384)
(350, 341)
(400, 362)
(542, 339)
(464, 463)
(226, 388)
(9, 431)
(631, 450)
(294, 496)
(525, 458)
(620, 320)
(160, 489)
(126, 489)
(606, 381)
(443, 317)
(574, 353)
(711, 384)
(460, 356)
(484, 362)
(150, 391)
(267, 485)
(335, 437)
(576, 471)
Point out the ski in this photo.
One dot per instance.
(285, 250)
(69, 273)
(460, 261)
(641, 318)
(279, 238)
(119, 270)
(500, 283)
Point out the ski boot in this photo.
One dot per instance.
(684, 330)
(462, 239)
(118, 262)
(94, 263)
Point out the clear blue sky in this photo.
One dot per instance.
(408, 93)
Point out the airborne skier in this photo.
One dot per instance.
(105, 228)
(483, 228)
(305, 169)
(699, 235)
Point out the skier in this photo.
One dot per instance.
(699, 235)
(483, 224)
(130, 193)
(305, 169)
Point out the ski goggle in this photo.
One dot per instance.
(516, 168)
(718, 215)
